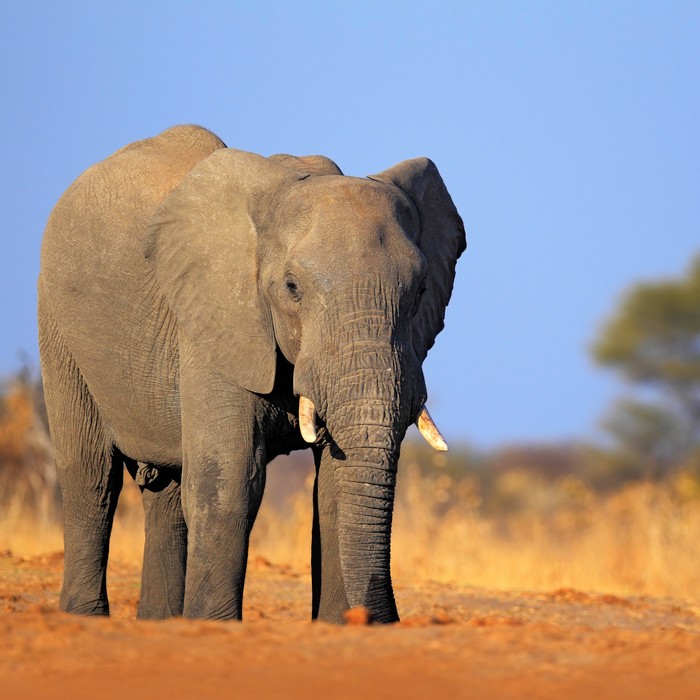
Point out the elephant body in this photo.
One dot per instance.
(188, 295)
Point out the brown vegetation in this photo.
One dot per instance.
(522, 518)
(28, 484)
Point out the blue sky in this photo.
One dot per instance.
(567, 134)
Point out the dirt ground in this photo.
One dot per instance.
(452, 642)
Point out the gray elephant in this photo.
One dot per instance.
(188, 293)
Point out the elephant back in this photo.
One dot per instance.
(94, 280)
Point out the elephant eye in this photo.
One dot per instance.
(292, 288)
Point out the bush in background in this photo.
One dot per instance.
(526, 517)
(28, 484)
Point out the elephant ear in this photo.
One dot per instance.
(202, 243)
(441, 239)
(315, 165)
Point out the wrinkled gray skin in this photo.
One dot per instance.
(188, 294)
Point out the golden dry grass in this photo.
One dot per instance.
(640, 540)
(508, 528)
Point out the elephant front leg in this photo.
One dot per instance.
(329, 599)
(216, 568)
(221, 500)
(222, 485)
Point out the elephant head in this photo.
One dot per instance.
(348, 279)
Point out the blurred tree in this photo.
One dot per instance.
(650, 439)
(653, 341)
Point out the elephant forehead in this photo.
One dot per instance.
(354, 204)
(339, 229)
(337, 257)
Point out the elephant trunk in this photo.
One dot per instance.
(367, 416)
(366, 481)
(366, 391)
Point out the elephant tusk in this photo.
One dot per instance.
(430, 432)
(307, 419)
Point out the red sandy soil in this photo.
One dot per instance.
(453, 642)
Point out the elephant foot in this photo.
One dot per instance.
(85, 607)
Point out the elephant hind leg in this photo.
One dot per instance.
(165, 551)
(90, 473)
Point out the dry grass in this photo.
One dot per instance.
(641, 540)
(516, 529)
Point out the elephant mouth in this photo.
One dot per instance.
(425, 424)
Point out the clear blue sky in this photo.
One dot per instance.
(568, 134)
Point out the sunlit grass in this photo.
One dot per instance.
(640, 540)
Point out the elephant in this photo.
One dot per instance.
(204, 309)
